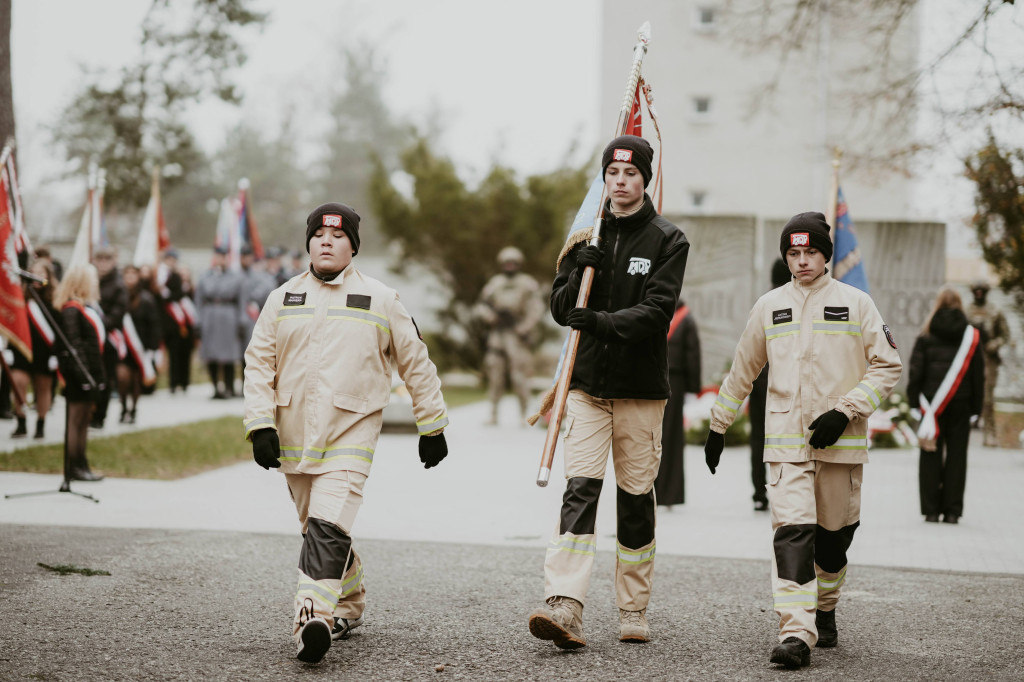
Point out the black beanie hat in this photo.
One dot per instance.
(631, 149)
(334, 215)
(807, 229)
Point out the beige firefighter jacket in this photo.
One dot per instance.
(319, 365)
(826, 348)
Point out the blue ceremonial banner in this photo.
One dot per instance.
(588, 209)
(847, 265)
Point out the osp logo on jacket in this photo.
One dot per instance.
(639, 266)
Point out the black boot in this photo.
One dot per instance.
(828, 636)
(22, 430)
(80, 471)
(792, 653)
(40, 425)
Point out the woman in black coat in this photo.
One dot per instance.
(40, 371)
(943, 476)
(85, 334)
(145, 315)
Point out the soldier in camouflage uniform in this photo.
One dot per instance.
(994, 333)
(510, 307)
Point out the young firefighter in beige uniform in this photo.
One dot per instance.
(317, 377)
(831, 363)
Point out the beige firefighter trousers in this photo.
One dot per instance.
(334, 497)
(631, 429)
(823, 493)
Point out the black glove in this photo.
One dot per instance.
(827, 429)
(713, 447)
(589, 256)
(432, 450)
(266, 448)
(583, 319)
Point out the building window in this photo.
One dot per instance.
(699, 200)
(701, 110)
(705, 19)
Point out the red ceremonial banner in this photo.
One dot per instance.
(13, 312)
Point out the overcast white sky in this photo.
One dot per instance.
(515, 81)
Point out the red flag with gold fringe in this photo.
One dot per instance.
(13, 312)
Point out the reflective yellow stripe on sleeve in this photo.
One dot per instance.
(257, 423)
(871, 393)
(728, 402)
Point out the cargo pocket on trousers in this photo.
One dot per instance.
(856, 478)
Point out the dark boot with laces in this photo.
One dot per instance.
(314, 635)
(792, 653)
(828, 636)
(21, 430)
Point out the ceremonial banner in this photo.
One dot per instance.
(92, 231)
(13, 312)
(153, 236)
(846, 261)
(14, 209)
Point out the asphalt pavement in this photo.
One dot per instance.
(203, 571)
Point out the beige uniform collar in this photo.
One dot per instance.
(816, 285)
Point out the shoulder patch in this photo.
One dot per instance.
(295, 299)
(781, 316)
(888, 335)
(358, 301)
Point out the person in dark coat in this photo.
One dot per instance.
(942, 472)
(756, 407)
(83, 329)
(113, 304)
(136, 368)
(178, 322)
(40, 372)
(684, 382)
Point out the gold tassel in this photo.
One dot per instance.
(582, 235)
(546, 403)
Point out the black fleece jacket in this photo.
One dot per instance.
(634, 294)
(932, 356)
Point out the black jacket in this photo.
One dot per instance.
(113, 300)
(635, 294)
(932, 356)
(81, 336)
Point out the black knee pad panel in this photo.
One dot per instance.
(579, 505)
(794, 552)
(635, 518)
(326, 550)
(830, 547)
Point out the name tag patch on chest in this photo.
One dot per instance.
(781, 316)
(295, 299)
(837, 314)
(358, 301)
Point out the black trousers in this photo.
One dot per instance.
(758, 398)
(942, 475)
(179, 359)
(110, 368)
(670, 484)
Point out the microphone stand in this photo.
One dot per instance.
(65, 486)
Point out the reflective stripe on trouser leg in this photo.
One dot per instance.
(570, 556)
(329, 570)
(634, 565)
(353, 591)
(794, 584)
(837, 494)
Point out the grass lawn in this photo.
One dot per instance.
(166, 453)
(171, 452)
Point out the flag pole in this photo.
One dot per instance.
(562, 386)
(833, 194)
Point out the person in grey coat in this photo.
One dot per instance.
(256, 287)
(220, 307)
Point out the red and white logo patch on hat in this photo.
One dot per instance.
(800, 239)
(623, 155)
(332, 220)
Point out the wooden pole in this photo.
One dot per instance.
(562, 385)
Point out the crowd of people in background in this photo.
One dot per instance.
(150, 319)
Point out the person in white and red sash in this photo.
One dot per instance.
(142, 339)
(113, 303)
(86, 337)
(947, 379)
(179, 322)
(42, 369)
